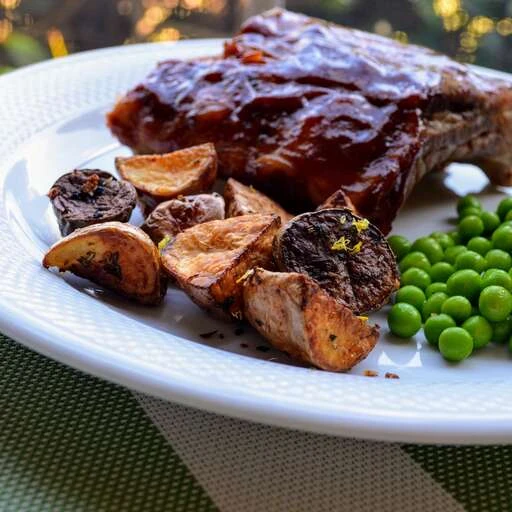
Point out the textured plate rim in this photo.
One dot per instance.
(70, 349)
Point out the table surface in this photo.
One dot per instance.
(71, 442)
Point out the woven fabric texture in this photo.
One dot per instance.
(70, 442)
(252, 468)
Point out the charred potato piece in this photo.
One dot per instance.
(346, 255)
(171, 217)
(158, 178)
(297, 316)
(117, 256)
(338, 200)
(90, 196)
(209, 260)
(244, 200)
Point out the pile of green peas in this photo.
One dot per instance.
(457, 285)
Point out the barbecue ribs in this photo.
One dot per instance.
(300, 108)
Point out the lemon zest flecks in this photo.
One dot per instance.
(163, 242)
(361, 224)
(245, 276)
(342, 244)
(356, 248)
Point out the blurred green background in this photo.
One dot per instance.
(474, 31)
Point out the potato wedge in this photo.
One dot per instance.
(338, 200)
(115, 255)
(297, 316)
(171, 217)
(158, 178)
(208, 260)
(345, 254)
(244, 200)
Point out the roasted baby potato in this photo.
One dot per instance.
(171, 217)
(118, 256)
(297, 316)
(158, 178)
(244, 200)
(90, 196)
(345, 254)
(209, 260)
(338, 200)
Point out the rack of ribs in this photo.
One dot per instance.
(300, 108)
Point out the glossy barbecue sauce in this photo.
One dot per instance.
(300, 108)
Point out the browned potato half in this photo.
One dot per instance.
(338, 200)
(345, 254)
(209, 260)
(297, 316)
(158, 178)
(115, 255)
(171, 217)
(244, 200)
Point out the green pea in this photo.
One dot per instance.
(451, 253)
(501, 331)
(433, 305)
(416, 277)
(468, 201)
(480, 330)
(435, 325)
(411, 295)
(458, 307)
(441, 271)
(455, 236)
(495, 303)
(504, 207)
(434, 288)
(399, 245)
(429, 247)
(510, 345)
(455, 344)
(475, 212)
(404, 320)
(498, 277)
(502, 238)
(491, 221)
(414, 259)
(508, 217)
(496, 258)
(466, 283)
(471, 226)
(443, 239)
(470, 260)
(480, 245)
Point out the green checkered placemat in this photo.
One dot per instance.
(70, 442)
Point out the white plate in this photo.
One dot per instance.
(52, 120)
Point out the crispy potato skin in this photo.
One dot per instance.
(244, 200)
(115, 255)
(208, 260)
(158, 178)
(298, 317)
(338, 200)
(174, 216)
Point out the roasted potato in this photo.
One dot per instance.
(244, 200)
(90, 196)
(208, 260)
(297, 316)
(346, 255)
(117, 256)
(171, 217)
(338, 200)
(158, 178)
